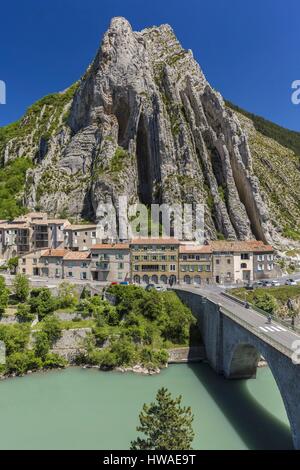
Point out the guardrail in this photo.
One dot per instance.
(262, 312)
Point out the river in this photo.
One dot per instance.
(88, 409)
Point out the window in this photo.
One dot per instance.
(84, 265)
(208, 267)
(136, 258)
(145, 258)
(119, 256)
(136, 267)
(23, 260)
(217, 261)
(83, 275)
(70, 274)
(86, 234)
(200, 268)
(184, 257)
(270, 257)
(243, 265)
(172, 248)
(120, 265)
(84, 240)
(261, 257)
(120, 276)
(23, 270)
(75, 233)
(93, 234)
(245, 256)
(163, 257)
(95, 255)
(172, 258)
(260, 267)
(270, 266)
(228, 261)
(34, 261)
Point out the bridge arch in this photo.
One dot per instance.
(241, 362)
(233, 350)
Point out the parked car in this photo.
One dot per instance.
(276, 284)
(113, 283)
(124, 283)
(257, 284)
(267, 284)
(160, 288)
(290, 282)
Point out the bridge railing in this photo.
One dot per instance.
(281, 321)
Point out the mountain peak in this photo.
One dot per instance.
(145, 123)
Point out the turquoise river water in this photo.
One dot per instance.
(88, 409)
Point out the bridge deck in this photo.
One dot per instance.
(274, 334)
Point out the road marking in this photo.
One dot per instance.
(277, 328)
(272, 328)
(280, 327)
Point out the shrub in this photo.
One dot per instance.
(52, 328)
(23, 313)
(21, 287)
(4, 294)
(42, 302)
(67, 295)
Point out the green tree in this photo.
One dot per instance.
(42, 302)
(67, 295)
(21, 287)
(4, 294)
(12, 264)
(52, 327)
(165, 425)
(42, 344)
(23, 313)
(177, 319)
(266, 302)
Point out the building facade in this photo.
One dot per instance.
(195, 265)
(55, 248)
(110, 262)
(154, 260)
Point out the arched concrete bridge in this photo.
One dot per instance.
(235, 338)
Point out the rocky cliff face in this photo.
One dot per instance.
(144, 122)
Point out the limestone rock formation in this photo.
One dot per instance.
(145, 123)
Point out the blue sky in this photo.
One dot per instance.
(248, 49)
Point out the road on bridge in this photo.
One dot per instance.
(274, 332)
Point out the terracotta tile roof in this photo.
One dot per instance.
(77, 255)
(81, 227)
(155, 241)
(58, 221)
(195, 249)
(110, 246)
(14, 225)
(238, 246)
(55, 252)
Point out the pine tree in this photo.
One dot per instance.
(165, 424)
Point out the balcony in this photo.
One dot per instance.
(100, 266)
